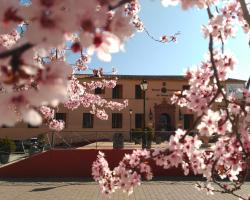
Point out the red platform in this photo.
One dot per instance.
(70, 163)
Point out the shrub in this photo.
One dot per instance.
(7, 145)
(138, 133)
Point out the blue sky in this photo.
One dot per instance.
(143, 56)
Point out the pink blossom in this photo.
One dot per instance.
(104, 44)
(9, 17)
(16, 107)
(121, 25)
(47, 112)
(8, 40)
(56, 125)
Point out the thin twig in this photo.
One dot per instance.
(173, 37)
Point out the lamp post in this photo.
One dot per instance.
(144, 87)
(130, 117)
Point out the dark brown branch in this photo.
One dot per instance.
(120, 3)
(248, 84)
(234, 121)
(16, 51)
(210, 15)
(245, 11)
(15, 55)
(220, 89)
(216, 75)
(222, 43)
(224, 190)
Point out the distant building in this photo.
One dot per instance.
(160, 114)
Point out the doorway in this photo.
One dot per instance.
(164, 123)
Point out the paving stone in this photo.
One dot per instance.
(87, 190)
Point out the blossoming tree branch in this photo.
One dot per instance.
(35, 75)
(229, 156)
(35, 78)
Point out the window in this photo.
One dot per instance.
(188, 121)
(87, 120)
(139, 94)
(139, 120)
(116, 120)
(62, 117)
(117, 92)
(185, 87)
(99, 91)
(163, 90)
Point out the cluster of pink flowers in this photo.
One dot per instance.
(202, 81)
(101, 84)
(81, 94)
(81, 63)
(97, 28)
(35, 78)
(48, 114)
(186, 4)
(126, 175)
(223, 25)
(34, 72)
(214, 122)
(9, 18)
(56, 125)
(227, 158)
(8, 40)
(20, 104)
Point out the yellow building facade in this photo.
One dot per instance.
(160, 114)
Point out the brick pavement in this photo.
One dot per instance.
(87, 190)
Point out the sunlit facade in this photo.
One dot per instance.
(160, 114)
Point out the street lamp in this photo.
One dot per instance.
(150, 116)
(144, 87)
(130, 117)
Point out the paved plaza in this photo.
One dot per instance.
(88, 190)
(127, 145)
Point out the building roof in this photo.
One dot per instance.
(134, 76)
(149, 77)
